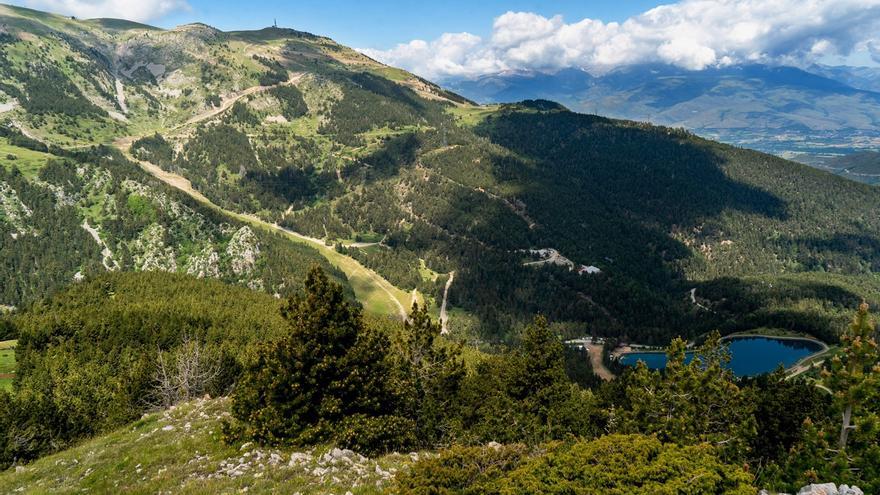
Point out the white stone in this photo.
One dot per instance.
(299, 458)
(823, 489)
(850, 490)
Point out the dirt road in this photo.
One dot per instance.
(183, 184)
(596, 351)
(444, 316)
(230, 100)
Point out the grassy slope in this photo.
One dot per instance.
(7, 363)
(376, 294)
(180, 451)
(29, 162)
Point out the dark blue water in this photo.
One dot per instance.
(749, 356)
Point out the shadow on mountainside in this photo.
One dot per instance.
(603, 189)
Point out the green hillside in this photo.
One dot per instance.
(180, 451)
(863, 166)
(92, 360)
(250, 215)
(400, 184)
(7, 363)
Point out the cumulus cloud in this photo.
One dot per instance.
(133, 10)
(692, 34)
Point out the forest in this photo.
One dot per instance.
(518, 419)
(124, 296)
(662, 213)
(142, 223)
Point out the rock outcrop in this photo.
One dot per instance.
(824, 489)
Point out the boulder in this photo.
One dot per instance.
(823, 489)
(850, 490)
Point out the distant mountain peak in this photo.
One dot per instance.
(780, 109)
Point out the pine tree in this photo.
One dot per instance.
(855, 374)
(541, 386)
(848, 449)
(327, 378)
(431, 376)
(690, 402)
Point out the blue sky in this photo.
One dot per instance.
(383, 24)
(457, 38)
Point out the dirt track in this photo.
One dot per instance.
(444, 316)
(230, 100)
(596, 351)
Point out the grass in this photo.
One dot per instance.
(7, 363)
(29, 162)
(180, 451)
(392, 73)
(472, 115)
(377, 295)
(426, 273)
(374, 292)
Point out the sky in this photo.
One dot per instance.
(453, 39)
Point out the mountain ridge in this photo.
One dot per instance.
(294, 130)
(779, 109)
(295, 177)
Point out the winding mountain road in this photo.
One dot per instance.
(230, 100)
(355, 269)
(352, 268)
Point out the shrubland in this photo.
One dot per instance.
(511, 422)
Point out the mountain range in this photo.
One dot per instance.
(787, 111)
(190, 213)
(222, 154)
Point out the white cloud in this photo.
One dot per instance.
(693, 34)
(133, 10)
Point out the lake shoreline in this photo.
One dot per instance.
(815, 347)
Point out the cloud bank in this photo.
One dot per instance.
(133, 10)
(693, 34)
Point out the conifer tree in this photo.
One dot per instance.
(855, 374)
(330, 373)
(690, 402)
(541, 386)
(846, 449)
(431, 373)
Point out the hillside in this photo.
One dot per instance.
(98, 360)
(71, 211)
(778, 110)
(321, 155)
(861, 166)
(211, 243)
(180, 451)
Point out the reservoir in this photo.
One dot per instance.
(749, 356)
